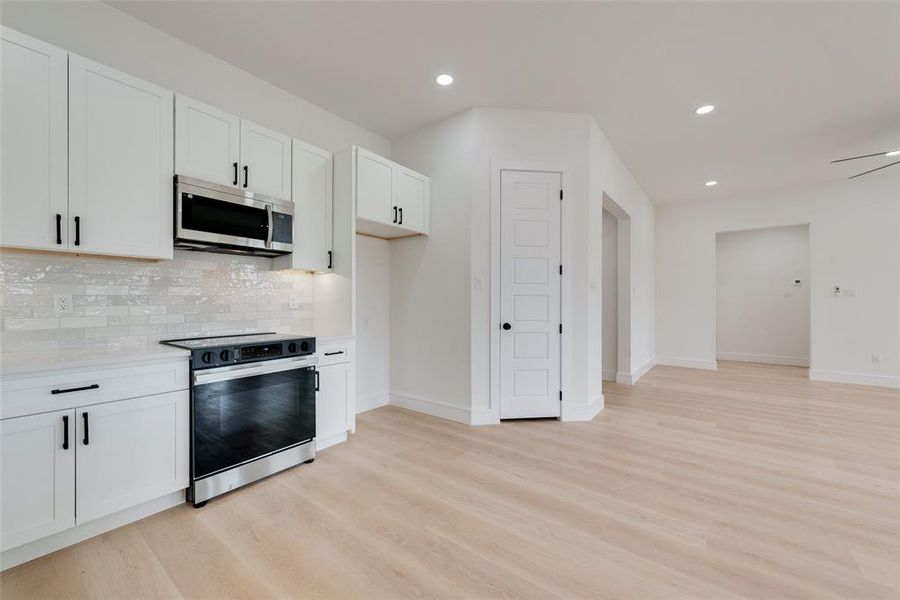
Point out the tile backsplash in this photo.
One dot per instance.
(122, 302)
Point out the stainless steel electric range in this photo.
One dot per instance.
(253, 408)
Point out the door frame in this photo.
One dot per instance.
(565, 291)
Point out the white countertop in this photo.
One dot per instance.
(35, 362)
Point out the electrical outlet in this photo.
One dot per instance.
(876, 359)
(295, 302)
(62, 304)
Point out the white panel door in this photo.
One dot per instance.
(37, 473)
(266, 157)
(130, 451)
(120, 163)
(374, 188)
(207, 142)
(529, 294)
(33, 141)
(412, 199)
(332, 400)
(313, 207)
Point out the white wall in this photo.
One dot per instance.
(610, 297)
(761, 314)
(430, 280)
(373, 322)
(854, 237)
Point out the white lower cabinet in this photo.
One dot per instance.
(37, 477)
(65, 468)
(332, 404)
(130, 452)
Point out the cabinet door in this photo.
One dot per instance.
(412, 199)
(332, 400)
(374, 187)
(266, 158)
(33, 184)
(129, 452)
(207, 142)
(313, 208)
(37, 472)
(120, 163)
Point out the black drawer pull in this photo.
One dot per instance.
(401, 216)
(58, 228)
(333, 353)
(86, 439)
(246, 175)
(93, 386)
(65, 432)
(330, 255)
(77, 231)
(317, 381)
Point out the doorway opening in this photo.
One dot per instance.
(616, 296)
(762, 295)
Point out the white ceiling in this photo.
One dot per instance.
(796, 84)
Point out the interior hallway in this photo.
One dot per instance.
(750, 481)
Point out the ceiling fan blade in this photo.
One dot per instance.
(876, 169)
(856, 157)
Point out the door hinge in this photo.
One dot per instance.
(560, 327)
(560, 194)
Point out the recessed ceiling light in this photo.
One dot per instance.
(444, 79)
(711, 183)
(705, 109)
(892, 153)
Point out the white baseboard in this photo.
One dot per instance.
(609, 376)
(433, 408)
(768, 359)
(686, 363)
(327, 442)
(632, 378)
(366, 402)
(582, 412)
(483, 417)
(79, 533)
(888, 381)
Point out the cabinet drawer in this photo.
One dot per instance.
(58, 390)
(332, 353)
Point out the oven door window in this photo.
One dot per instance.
(199, 213)
(239, 420)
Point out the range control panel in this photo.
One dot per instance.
(231, 354)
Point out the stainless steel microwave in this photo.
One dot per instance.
(218, 218)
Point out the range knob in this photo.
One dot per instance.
(225, 355)
(304, 346)
(292, 347)
(207, 357)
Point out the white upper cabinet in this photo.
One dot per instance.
(33, 97)
(207, 142)
(311, 191)
(120, 163)
(391, 200)
(37, 477)
(266, 157)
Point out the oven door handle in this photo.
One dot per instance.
(241, 371)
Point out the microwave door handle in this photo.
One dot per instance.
(271, 223)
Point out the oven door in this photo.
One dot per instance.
(244, 412)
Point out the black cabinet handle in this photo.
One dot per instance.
(87, 439)
(329, 258)
(507, 326)
(246, 175)
(395, 214)
(93, 386)
(235, 174)
(77, 231)
(317, 381)
(401, 216)
(65, 432)
(333, 353)
(58, 228)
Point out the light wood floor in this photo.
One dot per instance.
(746, 482)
